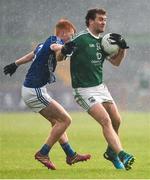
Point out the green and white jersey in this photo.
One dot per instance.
(86, 64)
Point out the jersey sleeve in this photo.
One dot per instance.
(38, 47)
(56, 40)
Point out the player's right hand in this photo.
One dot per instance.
(10, 69)
(68, 48)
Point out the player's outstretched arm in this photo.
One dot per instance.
(25, 59)
(11, 68)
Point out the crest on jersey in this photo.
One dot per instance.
(91, 99)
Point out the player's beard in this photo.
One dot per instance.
(98, 31)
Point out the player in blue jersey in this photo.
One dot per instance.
(35, 95)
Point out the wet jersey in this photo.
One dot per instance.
(86, 64)
(43, 66)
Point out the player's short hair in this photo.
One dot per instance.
(91, 14)
(64, 24)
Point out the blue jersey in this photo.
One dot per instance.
(44, 63)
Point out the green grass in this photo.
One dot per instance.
(22, 134)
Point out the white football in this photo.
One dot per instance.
(109, 48)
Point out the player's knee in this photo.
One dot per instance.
(67, 120)
(117, 121)
(106, 122)
(53, 123)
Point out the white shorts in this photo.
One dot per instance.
(36, 98)
(87, 97)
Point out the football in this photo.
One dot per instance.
(110, 49)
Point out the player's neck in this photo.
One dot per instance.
(93, 33)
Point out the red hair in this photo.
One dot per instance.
(64, 24)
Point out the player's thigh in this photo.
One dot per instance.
(36, 98)
(113, 112)
(55, 111)
(87, 97)
(99, 113)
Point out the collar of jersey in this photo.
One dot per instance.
(97, 37)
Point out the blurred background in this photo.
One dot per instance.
(24, 23)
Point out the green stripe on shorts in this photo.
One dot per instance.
(81, 101)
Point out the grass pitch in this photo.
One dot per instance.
(22, 134)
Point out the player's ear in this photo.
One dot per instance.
(91, 21)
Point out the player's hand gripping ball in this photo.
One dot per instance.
(112, 42)
(108, 46)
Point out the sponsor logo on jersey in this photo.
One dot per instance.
(95, 61)
(91, 45)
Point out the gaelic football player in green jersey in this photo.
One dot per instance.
(89, 90)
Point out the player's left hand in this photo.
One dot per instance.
(119, 40)
(10, 69)
(68, 48)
